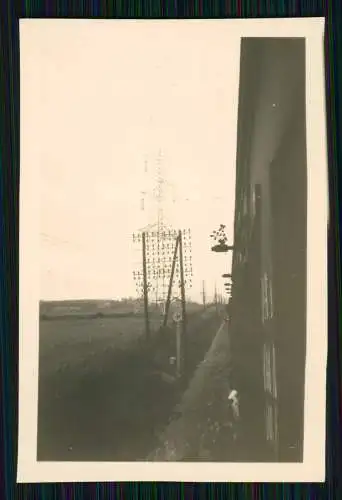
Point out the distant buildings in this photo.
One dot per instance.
(268, 305)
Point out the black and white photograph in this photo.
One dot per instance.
(172, 251)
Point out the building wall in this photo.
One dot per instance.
(288, 226)
(272, 157)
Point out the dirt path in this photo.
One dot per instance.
(201, 431)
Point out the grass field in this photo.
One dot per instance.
(99, 395)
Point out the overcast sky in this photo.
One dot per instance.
(113, 94)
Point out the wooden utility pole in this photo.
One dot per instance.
(168, 300)
(216, 305)
(178, 349)
(145, 285)
(182, 284)
(203, 294)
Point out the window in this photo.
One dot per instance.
(266, 298)
(269, 422)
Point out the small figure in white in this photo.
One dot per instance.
(233, 399)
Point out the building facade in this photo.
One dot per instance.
(268, 310)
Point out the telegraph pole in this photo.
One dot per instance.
(203, 295)
(167, 307)
(160, 216)
(160, 264)
(216, 305)
(147, 323)
(182, 285)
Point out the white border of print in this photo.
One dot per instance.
(313, 467)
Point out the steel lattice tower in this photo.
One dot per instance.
(160, 240)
